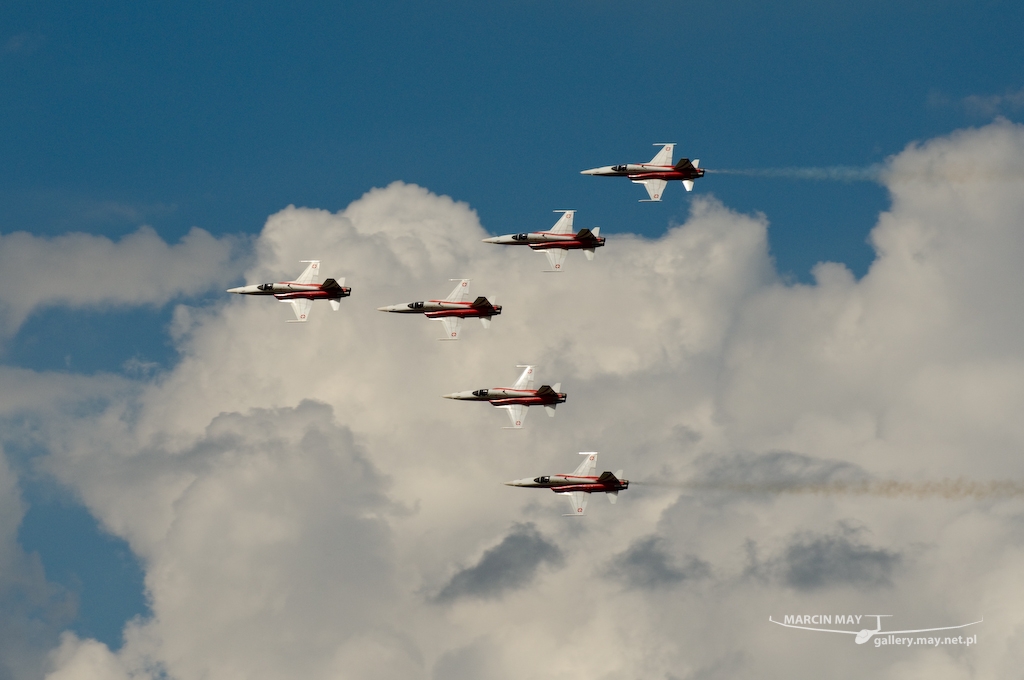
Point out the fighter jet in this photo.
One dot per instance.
(556, 241)
(656, 174)
(518, 398)
(302, 291)
(452, 310)
(580, 484)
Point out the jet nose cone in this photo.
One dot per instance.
(383, 309)
(493, 239)
(453, 395)
(234, 290)
(591, 171)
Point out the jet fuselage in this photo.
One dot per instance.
(436, 309)
(540, 240)
(289, 290)
(508, 396)
(606, 483)
(641, 171)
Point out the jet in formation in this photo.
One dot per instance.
(302, 291)
(656, 174)
(516, 399)
(580, 484)
(452, 310)
(556, 241)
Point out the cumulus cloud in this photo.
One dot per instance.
(293, 490)
(77, 270)
(510, 565)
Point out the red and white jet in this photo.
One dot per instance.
(656, 174)
(580, 484)
(556, 241)
(302, 291)
(518, 398)
(452, 310)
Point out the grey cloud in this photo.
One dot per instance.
(507, 566)
(813, 561)
(646, 565)
(477, 661)
(781, 469)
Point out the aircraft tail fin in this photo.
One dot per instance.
(335, 303)
(596, 231)
(557, 387)
(550, 410)
(589, 253)
(485, 321)
(612, 496)
(545, 390)
(688, 183)
(686, 164)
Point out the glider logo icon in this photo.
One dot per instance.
(882, 637)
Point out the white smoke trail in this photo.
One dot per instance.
(950, 489)
(840, 173)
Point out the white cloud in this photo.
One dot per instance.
(78, 270)
(991, 105)
(299, 494)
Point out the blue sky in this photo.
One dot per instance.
(176, 115)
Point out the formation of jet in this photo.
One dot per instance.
(516, 399)
(302, 291)
(580, 484)
(556, 241)
(452, 310)
(656, 174)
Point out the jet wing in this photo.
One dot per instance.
(525, 381)
(655, 188)
(301, 307)
(556, 256)
(452, 325)
(663, 157)
(578, 501)
(564, 223)
(461, 291)
(516, 414)
(587, 467)
(311, 273)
